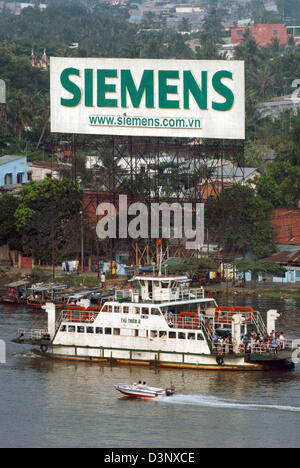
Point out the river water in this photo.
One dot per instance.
(47, 403)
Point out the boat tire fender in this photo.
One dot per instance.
(220, 360)
(44, 348)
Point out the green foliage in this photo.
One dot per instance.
(8, 232)
(44, 215)
(280, 184)
(240, 221)
(38, 275)
(193, 267)
(259, 267)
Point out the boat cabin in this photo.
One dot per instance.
(16, 292)
(39, 294)
(158, 288)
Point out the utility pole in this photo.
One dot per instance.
(82, 243)
(3, 116)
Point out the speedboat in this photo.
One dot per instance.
(144, 391)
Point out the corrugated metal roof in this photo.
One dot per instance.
(284, 257)
(7, 159)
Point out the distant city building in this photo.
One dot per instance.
(278, 105)
(264, 34)
(17, 7)
(40, 170)
(13, 171)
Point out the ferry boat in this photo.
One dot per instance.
(159, 321)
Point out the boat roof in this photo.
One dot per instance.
(46, 287)
(17, 284)
(80, 295)
(163, 304)
(154, 277)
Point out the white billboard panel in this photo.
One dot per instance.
(170, 98)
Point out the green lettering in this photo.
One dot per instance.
(70, 87)
(146, 85)
(88, 87)
(223, 91)
(103, 88)
(165, 89)
(191, 86)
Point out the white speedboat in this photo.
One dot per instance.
(144, 391)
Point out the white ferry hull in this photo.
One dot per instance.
(166, 360)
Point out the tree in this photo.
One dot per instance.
(241, 221)
(8, 231)
(43, 215)
(280, 184)
(263, 268)
(193, 267)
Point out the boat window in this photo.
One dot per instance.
(191, 336)
(156, 284)
(63, 328)
(107, 331)
(80, 329)
(109, 308)
(99, 330)
(90, 329)
(136, 332)
(117, 309)
(172, 334)
(136, 310)
(71, 329)
(163, 335)
(155, 312)
(165, 285)
(153, 334)
(181, 336)
(200, 337)
(117, 331)
(126, 310)
(145, 311)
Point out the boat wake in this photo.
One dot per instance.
(210, 401)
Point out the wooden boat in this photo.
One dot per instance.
(16, 292)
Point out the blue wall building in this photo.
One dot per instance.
(13, 170)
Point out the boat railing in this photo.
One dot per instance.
(188, 294)
(76, 315)
(125, 295)
(31, 333)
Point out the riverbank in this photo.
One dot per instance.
(91, 279)
(267, 290)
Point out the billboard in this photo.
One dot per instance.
(139, 97)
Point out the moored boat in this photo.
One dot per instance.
(16, 293)
(159, 321)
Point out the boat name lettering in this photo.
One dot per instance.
(125, 320)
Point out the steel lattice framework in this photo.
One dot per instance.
(162, 170)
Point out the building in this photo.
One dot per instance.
(17, 7)
(39, 170)
(13, 171)
(276, 106)
(264, 34)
